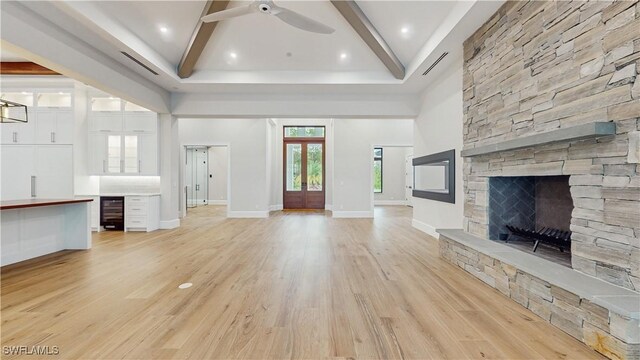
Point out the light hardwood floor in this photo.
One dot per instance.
(296, 285)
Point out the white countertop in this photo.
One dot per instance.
(121, 194)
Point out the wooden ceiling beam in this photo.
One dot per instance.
(199, 38)
(361, 24)
(24, 68)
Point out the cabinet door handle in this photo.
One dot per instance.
(33, 186)
(15, 137)
(104, 166)
(51, 137)
(121, 166)
(139, 166)
(54, 136)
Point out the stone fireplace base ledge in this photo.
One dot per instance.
(604, 316)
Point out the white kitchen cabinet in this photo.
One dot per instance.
(142, 213)
(141, 122)
(148, 153)
(97, 154)
(105, 121)
(37, 171)
(54, 127)
(54, 171)
(58, 100)
(19, 132)
(123, 154)
(17, 170)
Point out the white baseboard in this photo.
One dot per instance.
(328, 207)
(217, 202)
(390, 202)
(169, 224)
(247, 214)
(425, 228)
(276, 207)
(352, 214)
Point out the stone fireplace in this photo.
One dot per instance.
(551, 91)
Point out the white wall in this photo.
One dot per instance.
(218, 175)
(247, 141)
(354, 140)
(393, 176)
(439, 128)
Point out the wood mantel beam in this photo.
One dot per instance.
(24, 68)
(361, 24)
(199, 39)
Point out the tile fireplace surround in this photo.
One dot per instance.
(539, 71)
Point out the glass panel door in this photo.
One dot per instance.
(114, 154)
(196, 176)
(314, 167)
(304, 174)
(131, 160)
(294, 167)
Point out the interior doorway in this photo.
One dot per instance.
(196, 184)
(304, 167)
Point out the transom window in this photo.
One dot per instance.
(377, 170)
(304, 131)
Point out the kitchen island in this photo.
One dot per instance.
(36, 227)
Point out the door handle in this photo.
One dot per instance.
(33, 186)
(104, 166)
(139, 166)
(51, 137)
(121, 166)
(15, 137)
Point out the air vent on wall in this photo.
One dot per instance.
(435, 63)
(139, 63)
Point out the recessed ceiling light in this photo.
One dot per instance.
(343, 56)
(233, 55)
(25, 93)
(164, 29)
(60, 92)
(404, 30)
(111, 98)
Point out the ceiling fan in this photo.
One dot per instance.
(268, 7)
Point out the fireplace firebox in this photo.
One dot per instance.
(532, 212)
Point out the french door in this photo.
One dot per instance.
(304, 175)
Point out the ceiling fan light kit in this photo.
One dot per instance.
(268, 7)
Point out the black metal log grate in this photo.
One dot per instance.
(549, 236)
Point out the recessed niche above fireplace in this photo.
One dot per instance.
(532, 213)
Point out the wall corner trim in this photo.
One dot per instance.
(169, 224)
(425, 228)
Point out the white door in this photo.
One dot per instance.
(54, 171)
(409, 180)
(17, 169)
(46, 127)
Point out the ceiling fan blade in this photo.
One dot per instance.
(301, 22)
(229, 13)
